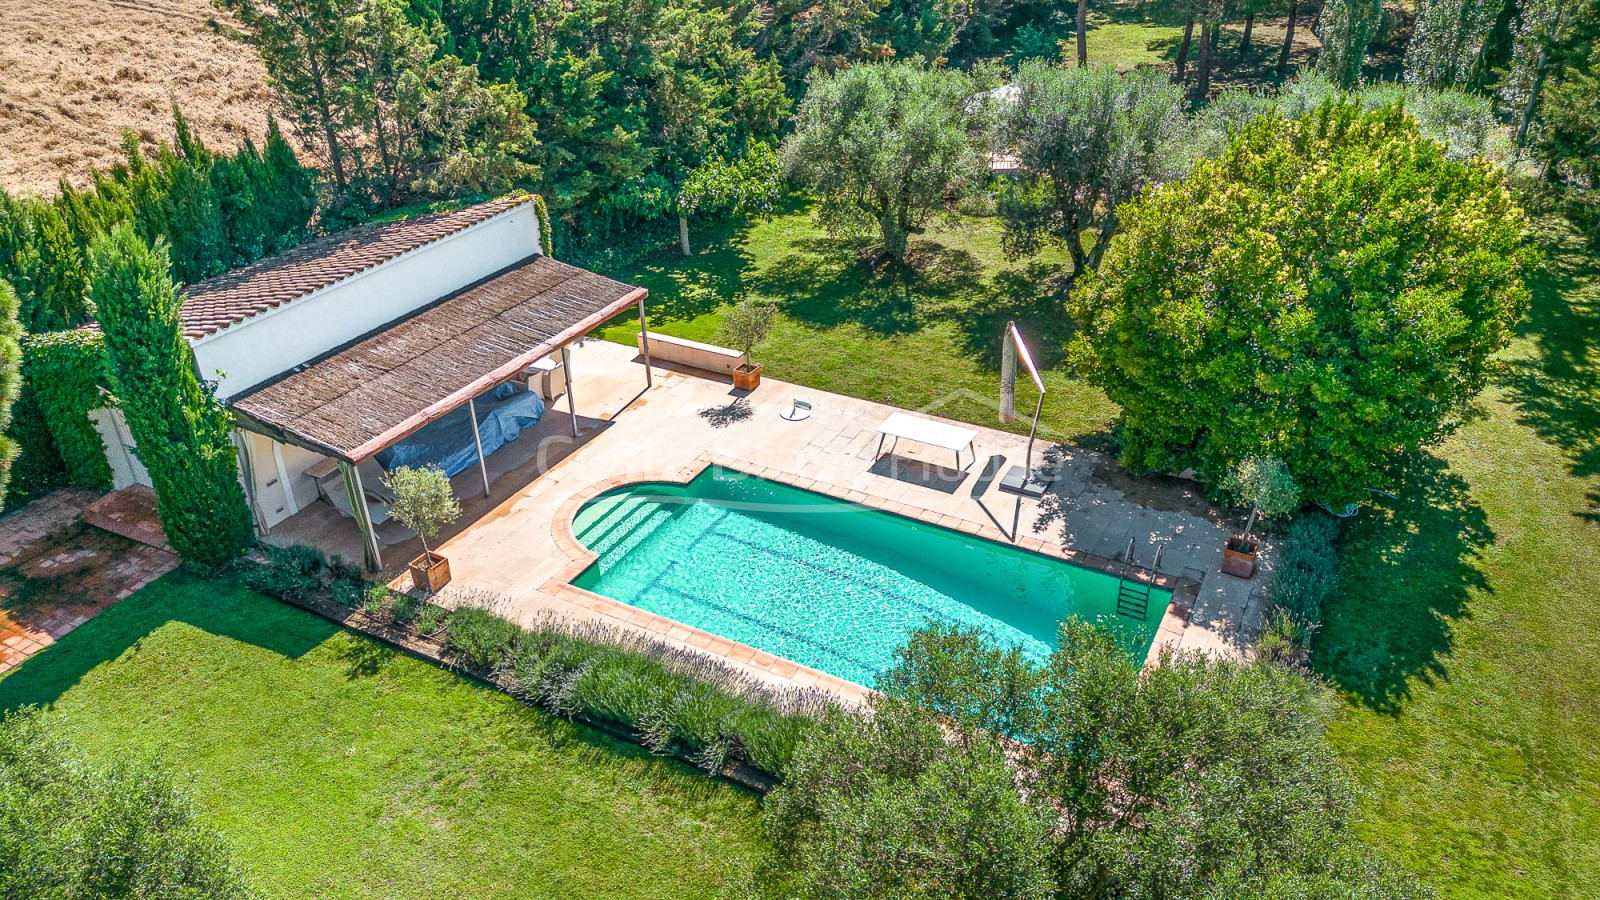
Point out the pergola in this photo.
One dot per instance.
(384, 386)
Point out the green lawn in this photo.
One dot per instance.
(1467, 636)
(926, 341)
(338, 768)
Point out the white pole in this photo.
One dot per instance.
(477, 441)
(1008, 376)
(644, 341)
(566, 374)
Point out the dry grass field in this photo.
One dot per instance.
(75, 73)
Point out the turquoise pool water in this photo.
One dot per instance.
(826, 583)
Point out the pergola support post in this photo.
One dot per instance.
(644, 330)
(358, 505)
(477, 441)
(566, 375)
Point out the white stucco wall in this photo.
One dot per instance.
(126, 469)
(276, 341)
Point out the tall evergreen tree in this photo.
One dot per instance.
(183, 433)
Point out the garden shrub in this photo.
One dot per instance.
(481, 637)
(430, 619)
(10, 381)
(403, 607)
(377, 600)
(184, 434)
(1308, 568)
(38, 469)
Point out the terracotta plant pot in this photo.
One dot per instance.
(747, 377)
(430, 571)
(1239, 557)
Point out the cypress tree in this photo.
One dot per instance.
(292, 190)
(183, 433)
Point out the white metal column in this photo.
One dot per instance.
(644, 335)
(477, 441)
(566, 374)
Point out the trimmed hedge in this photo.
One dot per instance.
(64, 373)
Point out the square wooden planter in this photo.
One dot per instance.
(746, 377)
(1239, 557)
(430, 571)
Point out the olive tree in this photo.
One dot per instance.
(1266, 485)
(884, 145)
(984, 772)
(1330, 291)
(70, 827)
(1087, 139)
(423, 501)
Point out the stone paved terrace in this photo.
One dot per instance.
(516, 551)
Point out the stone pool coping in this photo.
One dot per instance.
(1169, 633)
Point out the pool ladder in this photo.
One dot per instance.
(1133, 595)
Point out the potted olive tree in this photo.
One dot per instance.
(745, 326)
(423, 503)
(1266, 484)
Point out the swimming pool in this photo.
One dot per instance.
(826, 583)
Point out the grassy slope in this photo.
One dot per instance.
(931, 341)
(1465, 638)
(338, 768)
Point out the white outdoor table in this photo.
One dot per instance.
(926, 431)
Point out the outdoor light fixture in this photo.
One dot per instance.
(1021, 479)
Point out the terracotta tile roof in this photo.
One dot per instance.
(354, 401)
(230, 298)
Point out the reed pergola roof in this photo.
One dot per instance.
(384, 386)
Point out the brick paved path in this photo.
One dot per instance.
(57, 573)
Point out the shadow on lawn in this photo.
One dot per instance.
(832, 281)
(1407, 569)
(122, 628)
(1557, 391)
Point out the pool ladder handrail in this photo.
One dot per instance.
(1133, 594)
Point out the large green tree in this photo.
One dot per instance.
(1329, 291)
(73, 828)
(889, 806)
(1087, 139)
(884, 145)
(184, 435)
(982, 773)
(390, 115)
